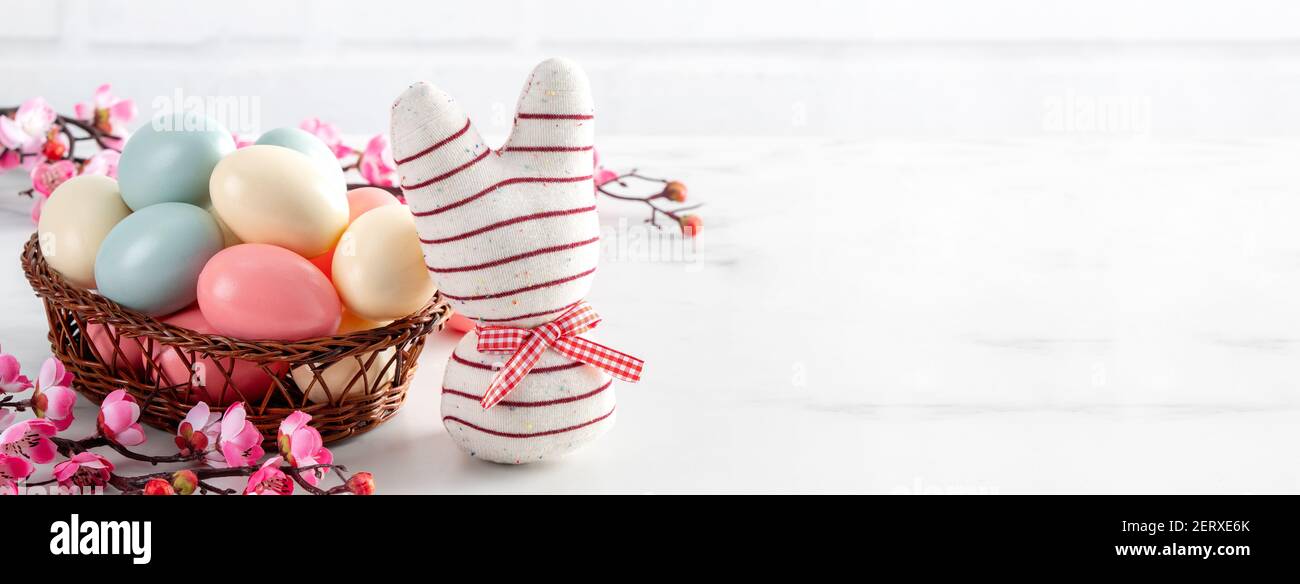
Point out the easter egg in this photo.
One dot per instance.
(310, 145)
(228, 237)
(351, 378)
(352, 323)
(151, 260)
(206, 376)
(255, 291)
(271, 194)
(459, 323)
(170, 160)
(74, 222)
(325, 263)
(125, 356)
(367, 198)
(379, 267)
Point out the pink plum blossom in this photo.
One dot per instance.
(30, 439)
(12, 379)
(27, 129)
(103, 163)
(10, 159)
(328, 134)
(602, 175)
(109, 113)
(38, 204)
(84, 469)
(376, 164)
(55, 404)
(239, 443)
(54, 398)
(198, 430)
(47, 176)
(269, 480)
(119, 419)
(13, 469)
(301, 445)
(242, 141)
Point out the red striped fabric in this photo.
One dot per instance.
(528, 435)
(552, 369)
(495, 295)
(450, 173)
(515, 258)
(504, 183)
(436, 145)
(534, 404)
(523, 116)
(507, 223)
(546, 148)
(522, 316)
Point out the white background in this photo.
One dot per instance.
(929, 264)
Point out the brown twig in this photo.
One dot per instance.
(648, 200)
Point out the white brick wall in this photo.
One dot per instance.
(839, 67)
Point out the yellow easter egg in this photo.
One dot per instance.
(75, 221)
(346, 380)
(379, 268)
(271, 194)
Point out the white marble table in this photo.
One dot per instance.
(989, 317)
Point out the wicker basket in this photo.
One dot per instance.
(369, 391)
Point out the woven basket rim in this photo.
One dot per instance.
(131, 323)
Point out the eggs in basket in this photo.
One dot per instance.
(261, 243)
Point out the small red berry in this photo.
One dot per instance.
(158, 487)
(362, 483)
(676, 191)
(691, 225)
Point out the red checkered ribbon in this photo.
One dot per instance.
(561, 335)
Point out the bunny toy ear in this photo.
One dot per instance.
(434, 144)
(555, 116)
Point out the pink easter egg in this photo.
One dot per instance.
(129, 356)
(367, 198)
(207, 376)
(459, 323)
(257, 291)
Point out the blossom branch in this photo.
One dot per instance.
(671, 190)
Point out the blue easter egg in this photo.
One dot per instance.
(170, 160)
(320, 154)
(150, 261)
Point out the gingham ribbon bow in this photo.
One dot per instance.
(561, 335)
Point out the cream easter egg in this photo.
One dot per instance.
(75, 221)
(379, 267)
(272, 194)
(351, 378)
(352, 323)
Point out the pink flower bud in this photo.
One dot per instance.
(362, 483)
(158, 487)
(184, 481)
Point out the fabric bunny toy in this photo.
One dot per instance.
(511, 238)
